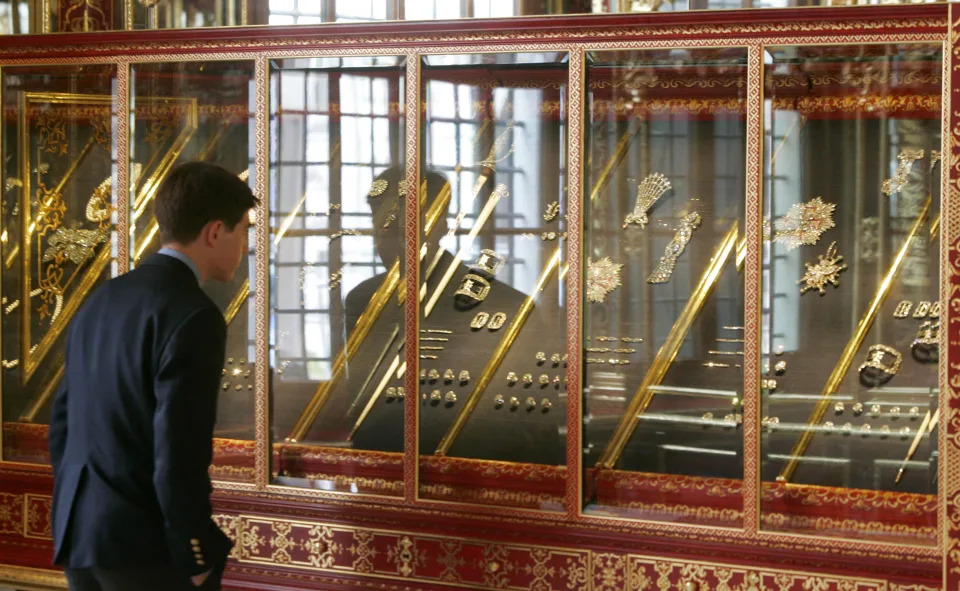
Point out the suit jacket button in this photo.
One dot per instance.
(195, 541)
(197, 548)
(201, 563)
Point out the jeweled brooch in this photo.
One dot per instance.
(603, 276)
(825, 270)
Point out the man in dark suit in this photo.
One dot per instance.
(131, 431)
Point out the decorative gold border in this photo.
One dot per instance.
(411, 306)
(122, 188)
(261, 255)
(35, 579)
(948, 429)
(575, 202)
(751, 290)
(314, 38)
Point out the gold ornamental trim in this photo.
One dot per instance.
(35, 579)
(764, 32)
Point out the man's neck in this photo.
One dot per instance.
(190, 254)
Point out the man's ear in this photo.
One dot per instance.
(211, 232)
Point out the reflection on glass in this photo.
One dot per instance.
(492, 343)
(187, 14)
(336, 320)
(15, 17)
(850, 287)
(663, 313)
(56, 233)
(180, 112)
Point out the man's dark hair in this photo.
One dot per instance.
(196, 193)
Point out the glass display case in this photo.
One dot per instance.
(611, 303)
(851, 275)
(337, 294)
(664, 248)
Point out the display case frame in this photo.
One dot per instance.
(569, 549)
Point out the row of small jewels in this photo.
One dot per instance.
(448, 376)
(828, 428)
(514, 403)
(527, 379)
(876, 410)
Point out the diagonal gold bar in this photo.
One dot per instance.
(913, 446)
(668, 351)
(853, 345)
(376, 396)
(237, 302)
(359, 333)
(503, 347)
(490, 164)
(498, 193)
(49, 388)
(376, 365)
(618, 153)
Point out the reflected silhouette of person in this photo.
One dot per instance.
(458, 348)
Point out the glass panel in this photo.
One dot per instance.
(663, 328)
(493, 305)
(185, 14)
(17, 16)
(57, 231)
(850, 288)
(188, 111)
(336, 295)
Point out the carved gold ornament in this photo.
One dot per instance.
(648, 191)
(603, 276)
(826, 270)
(905, 160)
(379, 187)
(804, 223)
(74, 245)
(664, 269)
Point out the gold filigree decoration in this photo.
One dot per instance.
(84, 15)
(608, 572)
(826, 270)
(75, 246)
(404, 555)
(363, 551)
(321, 547)
(51, 132)
(603, 276)
(804, 223)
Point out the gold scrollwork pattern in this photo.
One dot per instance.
(669, 575)
(417, 557)
(26, 515)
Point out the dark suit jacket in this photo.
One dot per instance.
(132, 426)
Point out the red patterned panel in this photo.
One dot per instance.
(652, 573)
(37, 522)
(404, 555)
(11, 513)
